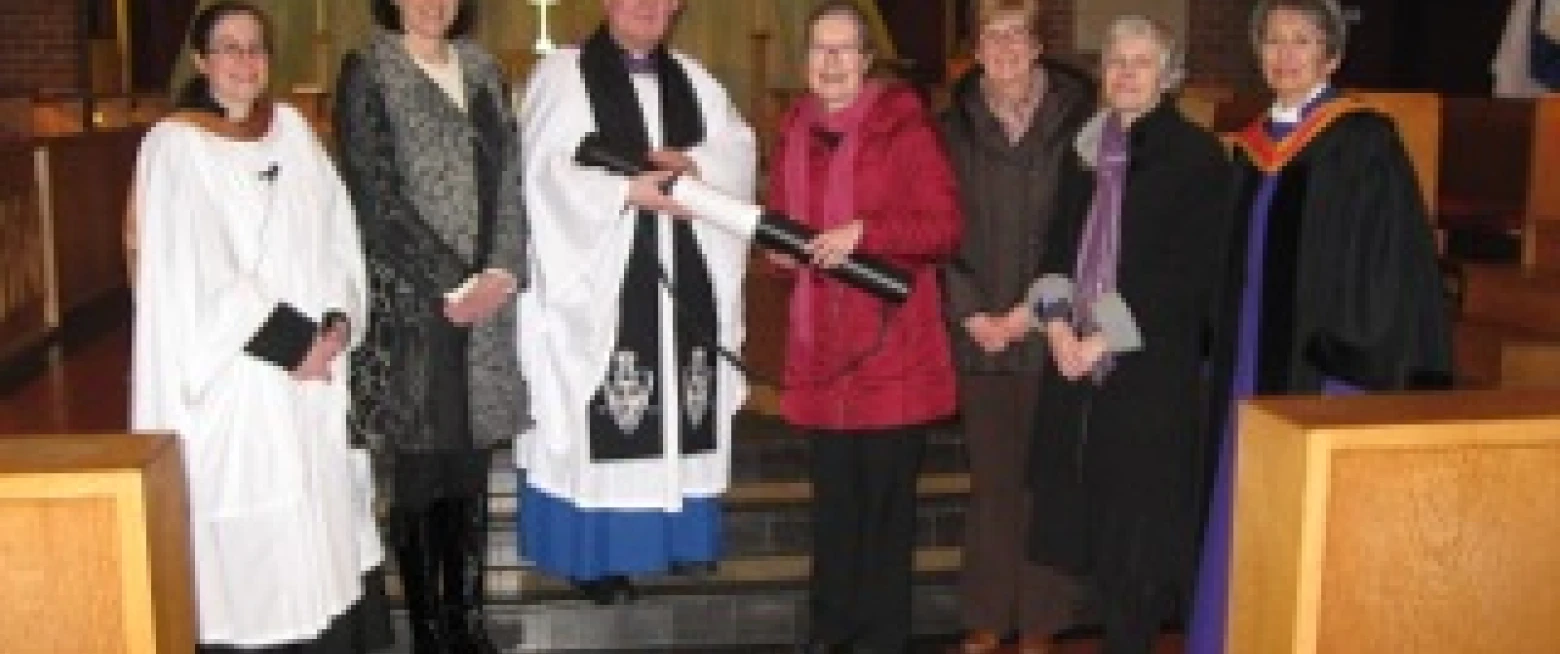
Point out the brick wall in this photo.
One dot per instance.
(1056, 25)
(1218, 48)
(1219, 45)
(38, 46)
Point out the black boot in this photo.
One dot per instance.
(464, 551)
(417, 561)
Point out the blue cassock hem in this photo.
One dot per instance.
(566, 541)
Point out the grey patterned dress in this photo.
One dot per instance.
(437, 192)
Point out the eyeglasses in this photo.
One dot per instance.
(1293, 41)
(834, 50)
(236, 51)
(1010, 34)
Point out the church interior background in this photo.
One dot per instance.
(69, 128)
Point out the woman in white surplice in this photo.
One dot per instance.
(249, 288)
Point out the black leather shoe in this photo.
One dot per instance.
(820, 647)
(608, 590)
(692, 569)
(622, 589)
(598, 591)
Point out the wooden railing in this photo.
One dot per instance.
(62, 207)
(25, 311)
(85, 180)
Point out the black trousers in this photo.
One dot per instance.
(863, 511)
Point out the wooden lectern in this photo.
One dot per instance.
(94, 546)
(1420, 524)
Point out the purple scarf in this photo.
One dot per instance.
(1099, 250)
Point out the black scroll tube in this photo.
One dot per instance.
(774, 230)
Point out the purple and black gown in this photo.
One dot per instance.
(1336, 291)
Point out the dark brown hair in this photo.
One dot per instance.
(388, 16)
(196, 93)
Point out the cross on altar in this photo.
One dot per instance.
(544, 43)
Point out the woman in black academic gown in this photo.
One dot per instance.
(1124, 303)
(1332, 284)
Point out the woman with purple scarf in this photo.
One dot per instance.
(1124, 301)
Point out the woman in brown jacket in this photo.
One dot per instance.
(1010, 124)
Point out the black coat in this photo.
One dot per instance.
(1115, 468)
(437, 194)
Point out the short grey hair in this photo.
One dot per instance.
(842, 9)
(1172, 58)
(1326, 15)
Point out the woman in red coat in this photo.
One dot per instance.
(861, 161)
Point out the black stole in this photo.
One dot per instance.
(625, 418)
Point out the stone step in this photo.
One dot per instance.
(766, 450)
(746, 495)
(753, 494)
(764, 622)
(680, 623)
(516, 584)
(771, 531)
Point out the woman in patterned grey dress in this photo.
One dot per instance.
(428, 151)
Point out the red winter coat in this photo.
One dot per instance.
(908, 204)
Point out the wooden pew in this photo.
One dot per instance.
(1200, 104)
(1234, 113)
(1541, 229)
(57, 117)
(15, 118)
(1508, 317)
(1530, 364)
(1397, 523)
(1418, 118)
(149, 109)
(1487, 148)
(84, 186)
(26, 287)
(1501, 158)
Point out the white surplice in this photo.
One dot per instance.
(280, 504)
(1512, 66)
(581, 235)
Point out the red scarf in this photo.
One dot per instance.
(839, 190)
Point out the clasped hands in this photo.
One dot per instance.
(1074, 356)
(328, 344)
(993, 333)
(480, 297)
